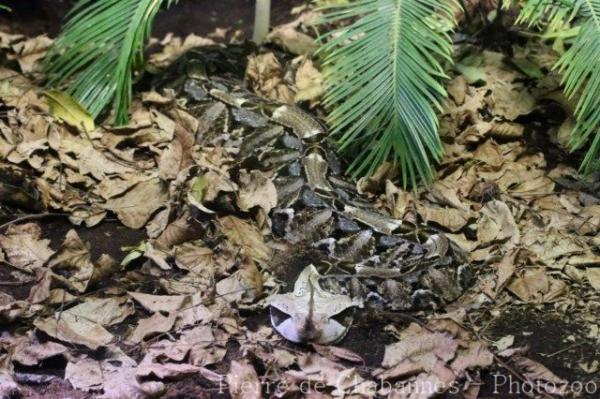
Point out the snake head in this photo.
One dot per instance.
(311, 314)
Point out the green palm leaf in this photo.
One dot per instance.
(552, 13)
(581, 77)
(99, 51)
(383, 76)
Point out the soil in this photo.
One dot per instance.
(36, 17)
(556, 341)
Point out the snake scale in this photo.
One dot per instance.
(370, 257)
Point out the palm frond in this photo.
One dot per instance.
(581, 78)
(383, 75)
(99, 50)
(548, 12)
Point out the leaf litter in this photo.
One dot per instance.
(171, 307)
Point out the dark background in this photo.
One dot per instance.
(34, 17)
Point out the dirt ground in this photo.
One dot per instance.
(35, 17)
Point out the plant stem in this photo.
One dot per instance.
(262, 18)
(32, 217)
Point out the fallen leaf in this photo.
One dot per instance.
(24, 248)
(11, 309)
(256, 189)
(157, 323)
(244, 285)
(8, 387)
(136, 206)
(319, 370)
(264, 73)
(30, 352)
(75, 329)
(29, 52)
(457, 89)
(537, 372)
(476, 355)
(538, 186)
(243, 381)
(115, 376)
(205, 188)
(165, 371)
(104, 311)
(196, 258)
(245, 235)
(337, 353)
(450, 218)
(534, 285)
(67, 109)
(170, 161)
(292, 40)
(497, 224)
(417, 352)
(504, 343)
(173, 47)
(71, 264)
(505, 270)
(159, 303)
(309, 83)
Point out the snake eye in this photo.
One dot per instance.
(277, 316)
(345, 317)
(333, 331)
(425, 299)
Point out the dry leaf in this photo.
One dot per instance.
(196, 258)
(243, 381)
(165, 371)
(265, 75)
(29, 52)
(256, 189)
(75, 330)
(497, 224)
(450, 218)
(309, 83)
(159, 303)
(337, 353)
(71, 264)
(170, 161)
(104, 311)
(115, 376)
(23, 247)
(534, 285)
(247, 236)
(174, 47)
(136, 206)
(244, 285)
(475, 355)
(157, 323)
(545, 378)
(292, 40)
(8, 387)
(30, 353)
(319, 370)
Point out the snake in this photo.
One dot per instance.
(364, 253)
